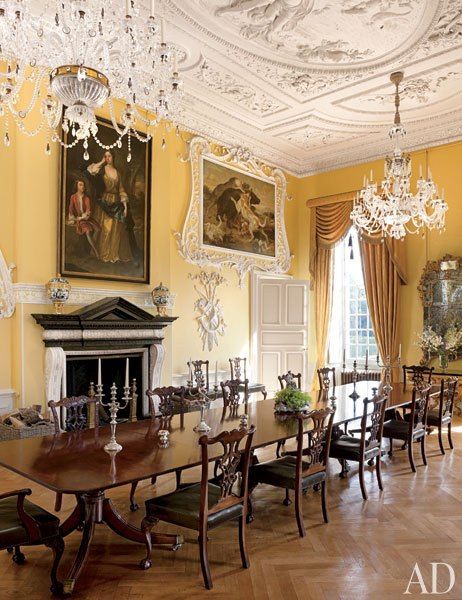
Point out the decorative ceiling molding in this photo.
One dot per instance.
(304, 84)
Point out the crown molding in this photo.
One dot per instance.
(33, 293)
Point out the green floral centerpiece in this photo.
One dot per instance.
(291, 400)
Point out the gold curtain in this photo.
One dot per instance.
(330, 224)
(384, 271)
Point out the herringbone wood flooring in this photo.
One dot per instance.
(367, 551)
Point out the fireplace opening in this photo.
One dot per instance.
(82, 370)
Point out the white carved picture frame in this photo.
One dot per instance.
(190, 240)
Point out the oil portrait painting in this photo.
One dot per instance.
(105, 210)
(238, 210)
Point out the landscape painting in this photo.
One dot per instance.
(238, 210)
(105, 209)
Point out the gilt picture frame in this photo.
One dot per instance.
(104, 209)
(236, 212)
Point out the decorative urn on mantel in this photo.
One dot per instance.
(109, 327)
(162, 299)
(58, 291)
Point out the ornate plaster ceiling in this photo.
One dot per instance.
(305, 83)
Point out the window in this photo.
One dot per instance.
(351, 328)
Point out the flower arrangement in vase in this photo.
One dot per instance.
(442, 345)
(291, 400)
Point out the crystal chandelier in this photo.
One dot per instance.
(393, 210)
(74, 58)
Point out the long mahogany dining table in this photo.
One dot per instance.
(76, 463)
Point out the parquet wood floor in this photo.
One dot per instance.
(367, 551)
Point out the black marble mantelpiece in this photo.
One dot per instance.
(109, 314)
(108, 329)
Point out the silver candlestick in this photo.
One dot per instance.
(388, 366)
(114, 406)
(204, 398)
(354, 375)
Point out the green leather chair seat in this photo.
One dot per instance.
(348, 447)
(281, 473)
(182, 506)
(12, 532)
(399, 430)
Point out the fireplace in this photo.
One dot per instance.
(81, 370)
(112, 329)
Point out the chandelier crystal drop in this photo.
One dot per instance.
(74, 57)
(393, 210)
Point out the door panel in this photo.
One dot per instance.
(279, 328)
(270, 305)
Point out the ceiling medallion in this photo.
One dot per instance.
(393, 210)
(75, 59)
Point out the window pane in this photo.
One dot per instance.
(351, 328)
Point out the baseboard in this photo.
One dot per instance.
(7, 398)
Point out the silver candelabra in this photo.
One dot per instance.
(114, 406)
(204, 398)
(388, 366)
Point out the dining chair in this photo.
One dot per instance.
(234, 392)
(289, 379)
(417, 374)
(413, 427)
(326, 377)
(292, 381)
(238, 367)
(169, 397)
(80, 412)
(204, 505)
(200, 379)
(368, 445)
(443, 415)
(23, 523)
(307, 469)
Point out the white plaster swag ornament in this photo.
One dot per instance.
(7, 297)
(210, 319)
(190, 245)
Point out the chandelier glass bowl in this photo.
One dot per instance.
(74, 57)
(393, 210)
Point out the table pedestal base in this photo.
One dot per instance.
(94, 508)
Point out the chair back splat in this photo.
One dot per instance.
(233, 460)
(326, 378)
(232, 391)
(290, 380)
(167, 395)
(77, 416)
(417, 374)
(316, 455)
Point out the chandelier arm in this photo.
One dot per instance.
(22, 114)
(121, 132)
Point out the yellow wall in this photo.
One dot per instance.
(445, 164)
(28, 237)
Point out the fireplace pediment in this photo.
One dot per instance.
(111, 327)
(108, 313)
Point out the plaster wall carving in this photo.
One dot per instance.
(7, 298)
(210, 318)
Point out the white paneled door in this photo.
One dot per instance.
(279, 328)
